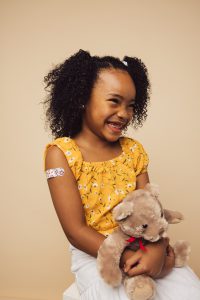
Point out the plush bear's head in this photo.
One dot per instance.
(140, 214)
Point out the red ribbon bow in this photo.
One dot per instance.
(132, 239)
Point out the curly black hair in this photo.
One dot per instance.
(69, 86)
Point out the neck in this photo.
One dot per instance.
(87, 138)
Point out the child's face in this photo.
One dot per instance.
(110, 107)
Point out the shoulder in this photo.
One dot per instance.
(63, 144)
(137, 153)
(55, 152)
(131, 144)
(54, 157)
(65, 153)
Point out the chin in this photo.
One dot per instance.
(111, 139)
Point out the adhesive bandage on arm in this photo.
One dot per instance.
(51, 173)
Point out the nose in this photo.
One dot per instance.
(124, 113)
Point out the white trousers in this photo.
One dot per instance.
(180, 284)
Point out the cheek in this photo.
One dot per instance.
(102, 114)
(92, 113)
(98, 107)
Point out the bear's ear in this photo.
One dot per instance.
(152, 189)
(122, 211)
(173, 217)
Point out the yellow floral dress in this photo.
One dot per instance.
(102, 185)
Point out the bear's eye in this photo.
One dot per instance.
(162, 214)
(144, 225)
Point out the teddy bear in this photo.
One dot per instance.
(141, 219)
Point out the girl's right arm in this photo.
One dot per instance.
(68, 205)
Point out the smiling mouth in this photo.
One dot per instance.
(116, 126)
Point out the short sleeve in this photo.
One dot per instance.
(141, 160)
(138, 155)
(68, 148)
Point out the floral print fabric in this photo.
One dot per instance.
(102, 185)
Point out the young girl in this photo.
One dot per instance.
(91, 167)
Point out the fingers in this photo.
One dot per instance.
(133, 265)
(133, 260)
(150, 262)
(139, 269)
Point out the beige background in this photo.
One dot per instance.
(35, 35)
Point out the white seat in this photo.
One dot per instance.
(71, 293)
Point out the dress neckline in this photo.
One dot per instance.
(118, 157)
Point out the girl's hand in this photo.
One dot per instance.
(148, 262)
(169, 262)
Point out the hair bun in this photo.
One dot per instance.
(81, 54)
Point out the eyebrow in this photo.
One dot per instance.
(119, 96)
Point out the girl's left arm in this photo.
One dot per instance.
(142, 180)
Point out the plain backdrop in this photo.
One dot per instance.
(35, 36)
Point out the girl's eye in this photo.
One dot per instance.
(116, 101)
(131, 105)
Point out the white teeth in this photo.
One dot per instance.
(116, 125)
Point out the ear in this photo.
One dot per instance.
(152, 189)
(122, 210)
(173, 217)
